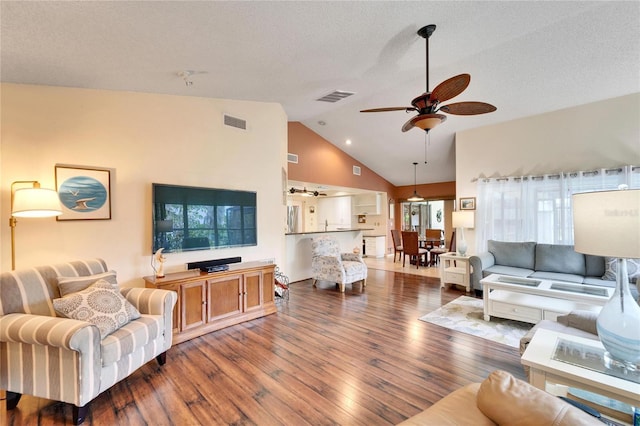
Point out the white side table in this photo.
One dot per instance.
(455, 269)
(545, 368)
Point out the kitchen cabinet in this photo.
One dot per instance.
(374, 246)
(367, 204)
(334, 212)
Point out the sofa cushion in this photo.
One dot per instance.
(510, 401)
(516, 254)
(68, 285)
(597, 281)
(559, 258)
(557, 276)
(130, 337)
(594, 265)
(611, 269)
(101, 304)
(507, 270)
(354, 271)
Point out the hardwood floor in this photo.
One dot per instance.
(326, 358)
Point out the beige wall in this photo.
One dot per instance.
(142, 138)
(601, 134)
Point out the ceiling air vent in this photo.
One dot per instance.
(238, 123)
(356, 170)
(335, 96)
(292, 158)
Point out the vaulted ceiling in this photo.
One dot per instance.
(525, 57)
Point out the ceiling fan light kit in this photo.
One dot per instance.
(428, 104)
(425, 122)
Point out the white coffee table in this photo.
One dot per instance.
(532, 300)
(544, 369)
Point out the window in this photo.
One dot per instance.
(538, 208)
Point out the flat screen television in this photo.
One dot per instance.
(194, 218)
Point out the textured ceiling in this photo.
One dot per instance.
(526, 58)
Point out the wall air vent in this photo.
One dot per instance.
(292, 158)
(238, 123)
(335, 96)
(356, 170)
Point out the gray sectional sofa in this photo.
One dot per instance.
(542, 261)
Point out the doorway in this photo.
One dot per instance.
(429, 214)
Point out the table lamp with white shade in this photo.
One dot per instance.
(607, 223)
(462, 219)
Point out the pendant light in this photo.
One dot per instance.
(415, 197)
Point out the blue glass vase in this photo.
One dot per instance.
(618, 323)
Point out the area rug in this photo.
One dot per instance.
(465, 314)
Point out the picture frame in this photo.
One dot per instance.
(84, 192)
(468, 203)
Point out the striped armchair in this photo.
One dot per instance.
(48, 356)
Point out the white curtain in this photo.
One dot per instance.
(538, 208)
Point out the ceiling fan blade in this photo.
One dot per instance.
(468, 108)
(389, 109)
(450, 88)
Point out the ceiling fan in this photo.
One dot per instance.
(305, 192)
(428, 104)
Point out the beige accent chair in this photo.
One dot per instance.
(48, 356)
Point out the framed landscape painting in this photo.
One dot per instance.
(85, 193)
(468, 203)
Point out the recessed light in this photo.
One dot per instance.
(348, 141)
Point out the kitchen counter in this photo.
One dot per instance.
(331, 231)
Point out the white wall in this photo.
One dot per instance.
(601, 134)
(142, 138)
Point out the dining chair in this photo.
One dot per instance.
(433, 240)
(435, 253)
(397, 244)
(411, 247)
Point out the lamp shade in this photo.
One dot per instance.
(462, 219)
(36, 202)
(607, 223)
(424, 121)
(415, 197)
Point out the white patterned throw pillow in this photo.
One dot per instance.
(611, 269)
(101, 304)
